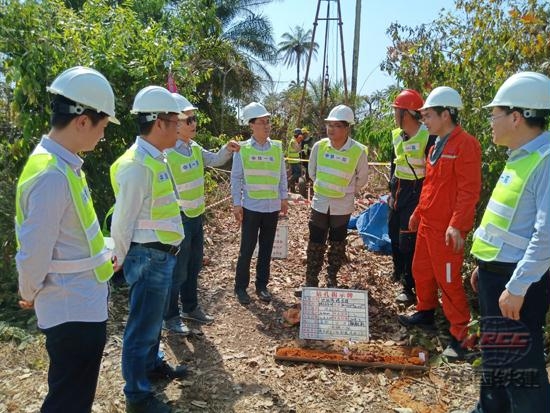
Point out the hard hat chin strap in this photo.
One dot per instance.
(67, 109)
(147, 117)
(529, 113)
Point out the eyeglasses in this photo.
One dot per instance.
(262, 122)
(492, 118)
(190, 119)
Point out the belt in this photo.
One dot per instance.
(497, 267)
(169, 249)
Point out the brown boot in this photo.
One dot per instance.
(336, 257)
(314, 263)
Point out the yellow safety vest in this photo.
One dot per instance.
(493, 231)
(165, 217)
(262, 170)
(100, 257)
(410, 154)
(188, 173)
(335, 168)
(291, 152)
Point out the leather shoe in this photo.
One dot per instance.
(148, 405)
(263, 294)
(419, 319)
(166, 371)
(242, 296)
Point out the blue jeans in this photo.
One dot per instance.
(186, 272)
(513, 376)
(149, 273)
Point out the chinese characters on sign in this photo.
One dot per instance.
(330, 313)
(280, 245)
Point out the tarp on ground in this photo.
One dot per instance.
(372, 225)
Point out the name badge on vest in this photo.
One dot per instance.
(163, 176)
(191, 165)
(261, 158)
(412, 147)
(337, 158)
(505, 178)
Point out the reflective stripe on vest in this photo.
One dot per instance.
(413, 151)
(262, 170)
(188, 173)
(100, 258)
(493, 231)
(291, 152)
(335, 168)
(165, 217)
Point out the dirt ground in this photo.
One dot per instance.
(232, 361)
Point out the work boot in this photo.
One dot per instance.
(336, 257)
(419, 319)
(148, 405)
(314, 263)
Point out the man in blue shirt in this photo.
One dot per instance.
(512, 247)
(61, 259)
(259, 191)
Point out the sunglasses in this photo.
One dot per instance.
(190, 119)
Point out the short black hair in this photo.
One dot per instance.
(61, 117)
(453, 112)
(540, 120)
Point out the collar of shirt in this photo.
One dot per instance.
(74, 161)
(531, 146)
(183, 147)
(258, 145)
(149, 148)
(345, 146)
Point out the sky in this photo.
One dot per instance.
(376, 17)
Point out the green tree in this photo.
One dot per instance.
(296, 48)
(474, 49)
(40, 39)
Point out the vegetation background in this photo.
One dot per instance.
(217, 51)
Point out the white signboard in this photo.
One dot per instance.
(332, 313)
(280, 245)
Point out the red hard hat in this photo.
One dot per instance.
(408, 99)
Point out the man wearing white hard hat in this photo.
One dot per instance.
(512, 248)
(147, 231)
(443, 217)
(61, 258)
(259, 191)
(186, 161)
(338, 167)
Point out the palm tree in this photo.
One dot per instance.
(296, 47)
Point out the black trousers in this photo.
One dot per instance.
(75, 350)
(323, 225)
(405, 199)
(257, 227)
(513, 375)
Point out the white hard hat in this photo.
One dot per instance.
(526, 90)
(183, 103)
(154, 100)
(443, 96)
(254, 110)
(341, 113)
(88, 87)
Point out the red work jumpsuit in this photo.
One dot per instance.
(449, 196)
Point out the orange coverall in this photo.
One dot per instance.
(449, 196)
